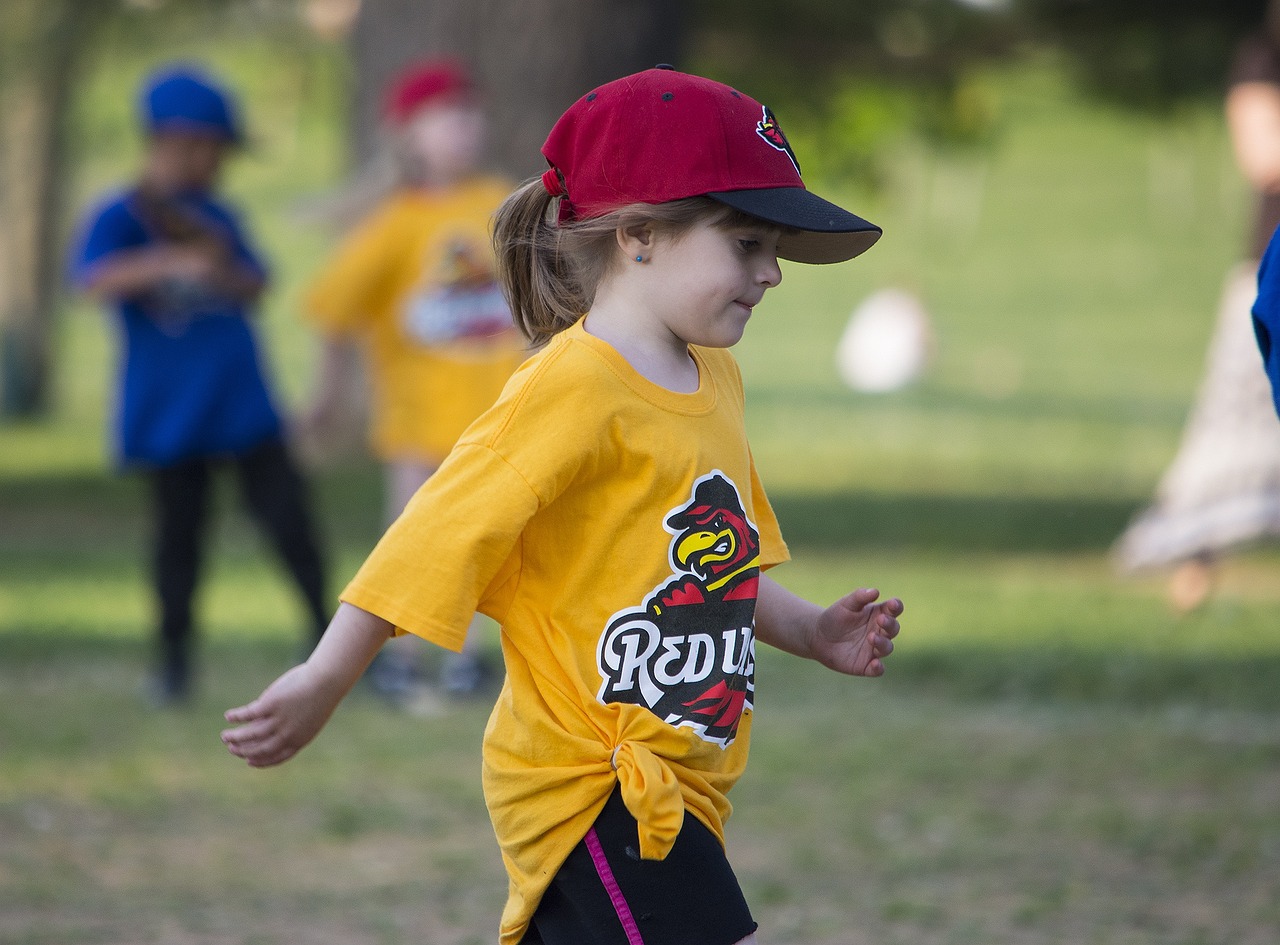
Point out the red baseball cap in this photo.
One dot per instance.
(663, 135)
(423, 83)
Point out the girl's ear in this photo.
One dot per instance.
(635, 239)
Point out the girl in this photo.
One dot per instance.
(606, 512)
(414, 287)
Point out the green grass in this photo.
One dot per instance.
(1054, 757)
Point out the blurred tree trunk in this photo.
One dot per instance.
(533, 58)
(39, 44)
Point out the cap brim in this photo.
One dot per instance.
(827, 233)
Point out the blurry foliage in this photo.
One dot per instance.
(845, 76)
(1148, 54)
(217, 34)
(794, 47)
(133, 28)
(26, 30)
(848, 79)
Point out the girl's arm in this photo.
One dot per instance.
(292, 710)
(126, 273)
(333, 377)
(852, 636)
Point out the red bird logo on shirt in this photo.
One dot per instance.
(715, 545)
(688, 653)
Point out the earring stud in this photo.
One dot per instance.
(639, 259)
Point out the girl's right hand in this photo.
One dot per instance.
(280, 722)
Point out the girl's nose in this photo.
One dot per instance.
(770, 272)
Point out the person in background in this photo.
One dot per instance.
(413, 286)
(1222, 490)
(172, 262)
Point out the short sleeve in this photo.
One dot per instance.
(104, 231)
(452, 552)
(356, 279)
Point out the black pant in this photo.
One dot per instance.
(274, 494)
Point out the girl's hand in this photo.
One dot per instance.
(279, 723)
(855, 634)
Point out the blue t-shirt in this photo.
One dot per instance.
(1266, 314)
(190, 380)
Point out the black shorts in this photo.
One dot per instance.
(604, 894)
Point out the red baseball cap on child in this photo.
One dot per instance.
(664, 135)
(424, 83)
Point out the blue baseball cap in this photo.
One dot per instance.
(183, 98)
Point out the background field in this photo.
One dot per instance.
(1053, 757)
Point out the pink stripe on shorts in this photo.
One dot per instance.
(619, 901)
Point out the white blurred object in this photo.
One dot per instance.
(886, 344)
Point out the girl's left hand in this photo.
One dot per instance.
(855, 634)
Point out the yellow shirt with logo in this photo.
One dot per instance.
(616, 531)
(414, 284)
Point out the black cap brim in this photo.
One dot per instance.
(826, 233)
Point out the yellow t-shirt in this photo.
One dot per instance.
(616, 531)
(414, 283)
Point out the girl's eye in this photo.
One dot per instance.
(748, 245)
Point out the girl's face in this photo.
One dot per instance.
(445, 140)
(706, 281)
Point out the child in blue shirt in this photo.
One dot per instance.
(173, 264)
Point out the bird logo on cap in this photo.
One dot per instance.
(769, 129)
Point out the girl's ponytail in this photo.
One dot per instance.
(540, 277)
(550, 271)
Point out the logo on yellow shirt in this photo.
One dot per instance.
(688, 652)
(461, 301)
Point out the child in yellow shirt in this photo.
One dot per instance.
(607, 513)
(414, 286)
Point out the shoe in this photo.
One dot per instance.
(393, 678)
(169, 687)
(465, 675)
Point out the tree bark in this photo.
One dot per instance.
(532, 59)
(42, 39)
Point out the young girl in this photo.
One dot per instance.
(414, 287)
(607, 513)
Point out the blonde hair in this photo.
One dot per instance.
(550, 271)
